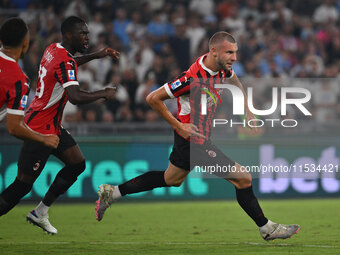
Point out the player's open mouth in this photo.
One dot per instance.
(86, 45)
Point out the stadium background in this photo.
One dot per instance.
(287, 43)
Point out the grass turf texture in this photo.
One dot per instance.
(218, 227)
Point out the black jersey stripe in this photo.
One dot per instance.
(32, 116)
(28, 111)
(59, 113)
(56, 76)
(63, 72)
(18, 92)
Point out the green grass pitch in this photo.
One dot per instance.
(216, 227)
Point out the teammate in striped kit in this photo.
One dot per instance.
(57, 83)
(14, 84)
(192, 144)
(14, 89)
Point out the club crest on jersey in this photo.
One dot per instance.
(71, 75)
(36, 166)
(23, 101)
(175, 84)
(212, 153)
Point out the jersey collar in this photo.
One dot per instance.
(211, 72)
(3, 55)
(61, 47)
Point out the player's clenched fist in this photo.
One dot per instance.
(51, 141)
(110, 92)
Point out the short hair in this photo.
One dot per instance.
(220, 37)
(13, 32)
(70, 23)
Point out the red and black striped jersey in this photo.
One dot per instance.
(189, 87)
(14, 87)
(57, 71)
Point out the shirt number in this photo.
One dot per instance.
(42, 74)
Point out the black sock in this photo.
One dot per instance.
(249, 203)
(58, 187)
(144, 182)
(4, 206)
(11, 196)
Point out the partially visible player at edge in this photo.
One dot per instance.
(192, 134)
(14, 84)
(57, 83)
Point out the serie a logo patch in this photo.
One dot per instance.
(23, 101)
(71, 75)
(175, 84)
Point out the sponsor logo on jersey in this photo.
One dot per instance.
(175, 84)
(71, 75)
(24, 100)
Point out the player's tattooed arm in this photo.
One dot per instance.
(98, 54)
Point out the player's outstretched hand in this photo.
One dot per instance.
(188, 129)
(110, 92)
(51, 141)
(108, 52)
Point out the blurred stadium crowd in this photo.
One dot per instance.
(279, 41)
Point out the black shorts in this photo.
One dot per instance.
(33, 155)
(200, 155)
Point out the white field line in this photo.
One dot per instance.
(177, 243)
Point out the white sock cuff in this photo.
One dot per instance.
(116, 193)
(267, 227)
(42, 209)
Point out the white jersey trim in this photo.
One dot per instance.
(14, 111)
(3, 55)
(211, 72)
(185, 105)
(61, 47)
(168, 91)
(69, 83)
(56, 95)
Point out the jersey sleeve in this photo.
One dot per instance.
(17, 96)
(179, 86)
(67, 73)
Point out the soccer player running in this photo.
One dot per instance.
(192, 132)
(14, 84)
(57, 83)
